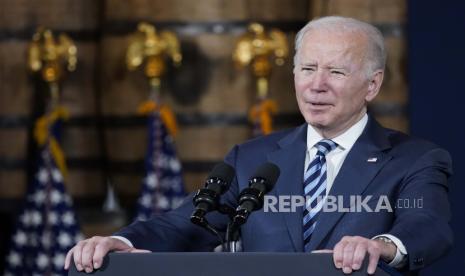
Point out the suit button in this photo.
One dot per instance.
(418, 261)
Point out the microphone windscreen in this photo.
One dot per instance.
(268, 171)
(224, 172)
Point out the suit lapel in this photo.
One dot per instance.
(355, 175)
(290, 159)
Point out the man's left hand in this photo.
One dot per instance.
(349, 253)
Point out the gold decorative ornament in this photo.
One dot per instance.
(152, 48)
(48, 56)
(51, 58)
(257, 48)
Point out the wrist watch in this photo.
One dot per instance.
(400, 256)
(387, 240)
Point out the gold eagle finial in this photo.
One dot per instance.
(149, 46)
(47, 55)
(256, 47)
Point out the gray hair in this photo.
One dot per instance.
(376, 54)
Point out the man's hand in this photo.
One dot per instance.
(351, 250)
(88, 254)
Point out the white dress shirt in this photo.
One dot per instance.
(336, 157)
(334, 161)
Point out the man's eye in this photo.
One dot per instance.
(339, 73)
(308, 69)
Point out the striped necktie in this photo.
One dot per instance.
(315, 188)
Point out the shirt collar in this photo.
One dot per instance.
(345, 140)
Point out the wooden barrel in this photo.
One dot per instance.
(390, 106)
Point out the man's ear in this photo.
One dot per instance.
(374, 85)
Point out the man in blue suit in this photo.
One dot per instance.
(340, 152)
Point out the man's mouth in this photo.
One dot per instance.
(319, 104)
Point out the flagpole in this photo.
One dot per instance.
(46, 227)
(256, 48)
(151, 48)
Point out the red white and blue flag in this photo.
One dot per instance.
(46, 227)
(163, 185)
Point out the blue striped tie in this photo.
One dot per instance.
(315, 188)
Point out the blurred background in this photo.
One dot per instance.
(104, 140)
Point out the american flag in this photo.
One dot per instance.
(162, 186)
(46, 228)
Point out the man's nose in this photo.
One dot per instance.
(319, 82)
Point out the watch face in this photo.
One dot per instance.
(384, 239)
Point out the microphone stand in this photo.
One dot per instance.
(232, 237)
(232, 233)
(199, 219)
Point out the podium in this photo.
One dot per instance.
(224, 264)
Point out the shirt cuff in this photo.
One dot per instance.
(401, 252)
(123, 239)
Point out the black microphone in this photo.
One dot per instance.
(251, 198)
(207, 199)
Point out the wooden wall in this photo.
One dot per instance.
(105, 140)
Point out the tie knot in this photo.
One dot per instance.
(325, 146)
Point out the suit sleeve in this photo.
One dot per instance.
(424, 229)
(173, 231)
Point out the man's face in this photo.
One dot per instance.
(331, 82)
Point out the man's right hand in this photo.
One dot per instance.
(88, 254)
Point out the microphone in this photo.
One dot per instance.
(207, 199)
(251, 198)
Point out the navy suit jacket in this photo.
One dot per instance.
(407, 171)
